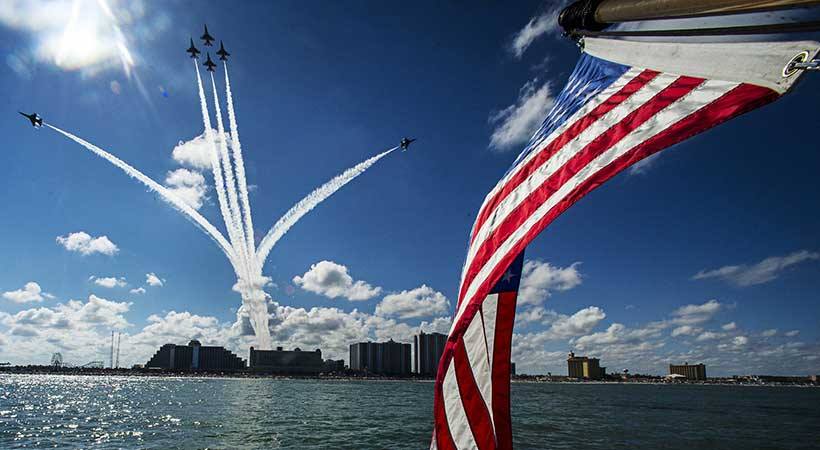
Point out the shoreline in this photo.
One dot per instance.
(45, 370)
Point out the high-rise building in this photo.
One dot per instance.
(195, 356)
(383, 358)
(286, 361)
(584, 367)
(690, 371)
(427, 350)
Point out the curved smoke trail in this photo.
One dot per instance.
(240, 246)
(309, 202)
(216, 169)
(190, 213)
(241, 180)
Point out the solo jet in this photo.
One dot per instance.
(223, 55)
(192, 50)
(36, 121)
(405, 143)
(209, 64)
(207, 37)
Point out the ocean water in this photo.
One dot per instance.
(52, 411)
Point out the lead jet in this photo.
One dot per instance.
(207, 37)
(405, 143)
(193, 50)
(223, 55)
(36, 121)
(209, 64)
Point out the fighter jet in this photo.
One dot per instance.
(36, 121)
(207, 37)
(405, 143)
(209, 64)
(192, 50)
(223, 55)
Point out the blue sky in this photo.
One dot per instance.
(318, 90)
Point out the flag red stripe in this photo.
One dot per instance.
(602, 143)
(444, 441)
(478, 415)
(556, 144)
(505, 318)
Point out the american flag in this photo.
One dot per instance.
(609, 116)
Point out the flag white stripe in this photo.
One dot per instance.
(560, 158)
(490, 310)
(475, 344)
(454, 410)
(690, 103)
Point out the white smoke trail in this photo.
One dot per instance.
(309, 202)
(219, 184)
(190, 213)
(241, 180)
(241, 246)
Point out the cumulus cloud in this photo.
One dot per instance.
(188, 185)
(84, 244)
(515, 124)
(769, 333)
(685, 330)
(422, 301)
(539, 279)
(709, 336)
(544, 23)
(332, 280)
(139, 290)
(153, 280)
(729, 326)
(792, 333)
(196, 153)
(110, 282)
(696, 314)
(30, 292)
(764, 271)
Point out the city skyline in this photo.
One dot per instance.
(704, 253)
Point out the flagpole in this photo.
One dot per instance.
(612, 11)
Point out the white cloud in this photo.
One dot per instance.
(139, 290)
(740, 341)
(422, 301)
(84, 244)
(332, 280)
(188, 185)
(110, 282)
(685, 330)
(516, 123)
(696, 314)
(196, 153)
(539, 279)
(545, 23)
(153, 280)
(762, 272)
(792, 333)
(709, 336)
(729, 326)
(642, 167)
(580, 323)
(31, 292)
(769, 333)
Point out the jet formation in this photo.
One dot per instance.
(207, 40)
(36, 121)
